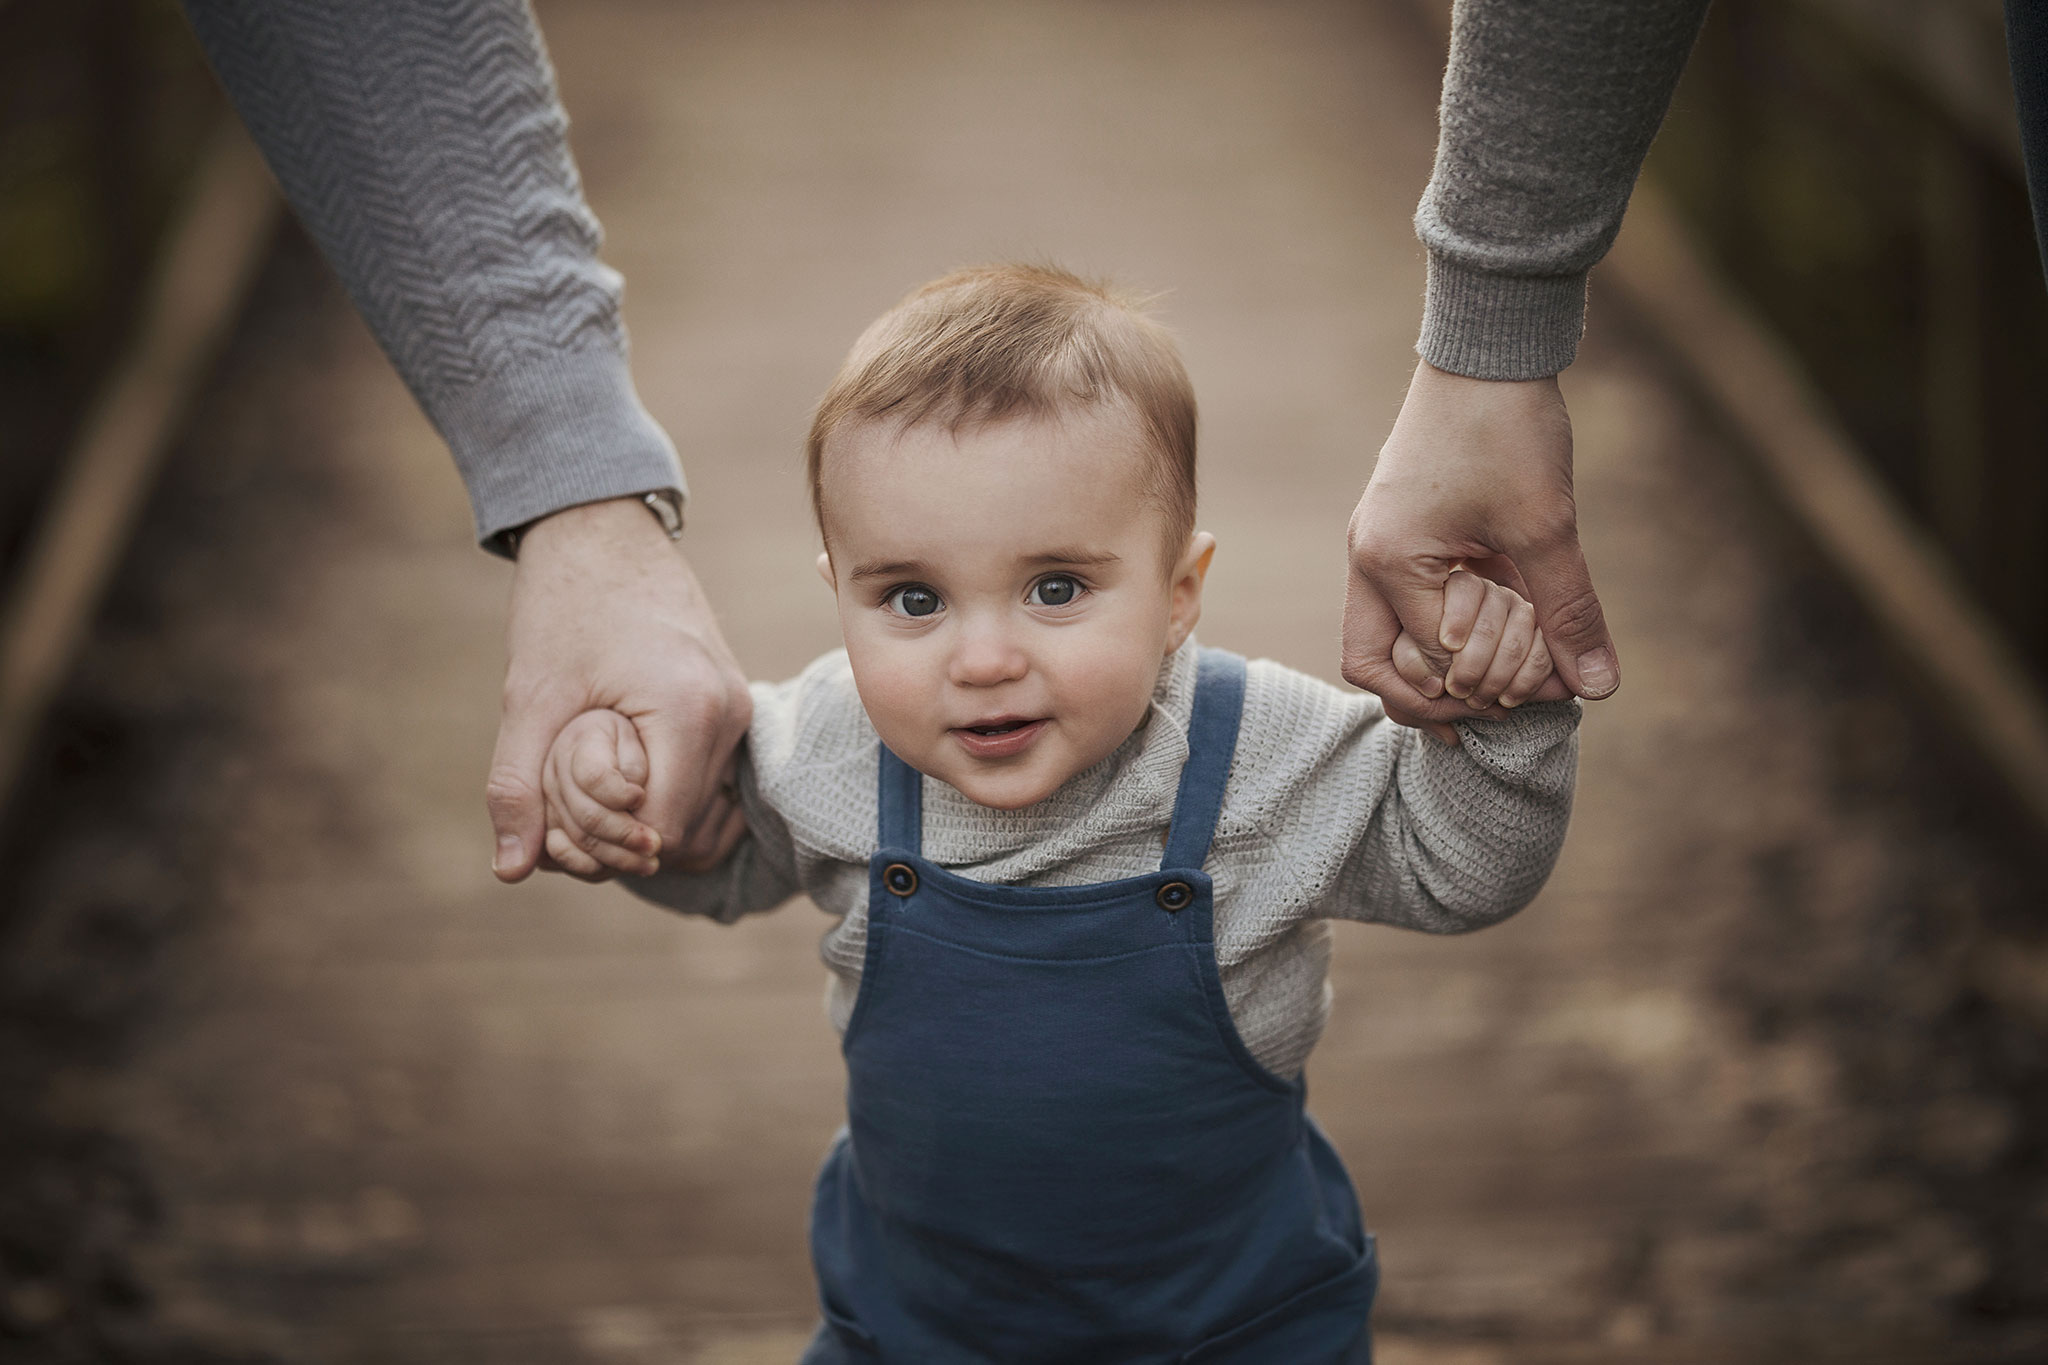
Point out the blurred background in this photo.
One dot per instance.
(285, 1075)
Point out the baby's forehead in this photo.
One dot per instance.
(1103, 447)
(1014, 481)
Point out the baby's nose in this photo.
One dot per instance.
(985, 655)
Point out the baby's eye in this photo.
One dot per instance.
(1054, 590)
(912, 599)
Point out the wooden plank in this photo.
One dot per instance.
(209, 257)
(1812, 464)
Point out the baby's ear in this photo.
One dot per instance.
(1188, 575)
(825, 571)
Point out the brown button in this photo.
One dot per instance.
(1176, 896)
(900, 878)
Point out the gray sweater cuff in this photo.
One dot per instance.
(1493, 326)
(564, 429)
(1518, 746)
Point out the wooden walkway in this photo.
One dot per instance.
(1709, 1099)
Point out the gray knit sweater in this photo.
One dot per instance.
(1330, 812)
(422, 144)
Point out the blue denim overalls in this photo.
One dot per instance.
(1058, 1149)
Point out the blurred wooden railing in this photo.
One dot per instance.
(133, 215)
(1852, 167)
(104, 105)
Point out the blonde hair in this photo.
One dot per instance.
(1000, 341)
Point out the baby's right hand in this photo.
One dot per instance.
(593, 781)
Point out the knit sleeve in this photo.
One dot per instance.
(1358, 818)
(1549, 107)
(1468, 834)
(424, 148)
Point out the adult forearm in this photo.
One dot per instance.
(1549, 107)
(422, 144)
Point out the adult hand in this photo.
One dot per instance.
(1474, 471)
(606, 613)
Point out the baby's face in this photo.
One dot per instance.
(1006, 593)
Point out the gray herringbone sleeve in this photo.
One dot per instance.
(423, 146)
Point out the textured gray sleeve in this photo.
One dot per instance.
(759, 875)
(1466, 836)
(1549, 107)
(422, 144)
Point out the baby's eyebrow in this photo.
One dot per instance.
(893, 568)
(1077, 558)
(1072, 557)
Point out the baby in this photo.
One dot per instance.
(1081, 870)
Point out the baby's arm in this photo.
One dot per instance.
(1367, 820)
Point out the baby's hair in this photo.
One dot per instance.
(999, 341)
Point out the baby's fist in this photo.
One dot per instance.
(1497, 653)
(594, 780)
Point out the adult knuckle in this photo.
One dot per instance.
(1362, 669)
(507, 789)
(1551, 522)
(1576, 615)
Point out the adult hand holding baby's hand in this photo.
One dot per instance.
(607, 615)
(1476, 473)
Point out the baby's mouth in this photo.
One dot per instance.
(999, 736)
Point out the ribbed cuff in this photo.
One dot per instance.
(1515, 745)
(566, 429)
(1491, 326)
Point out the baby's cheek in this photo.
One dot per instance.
(891, 689)
(1114, 689)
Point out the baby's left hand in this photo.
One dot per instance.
(1497, 653)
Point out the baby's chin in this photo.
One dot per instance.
(1002, 794)
(1012, 789)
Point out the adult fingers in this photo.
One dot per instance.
(1568, 612)
(1370, 630)
(712, 838)
(689, 744)
(1400, 580)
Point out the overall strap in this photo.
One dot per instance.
(1212, 740)
(900, 804)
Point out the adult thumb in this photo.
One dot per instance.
(513, 794)
(1568, 612)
